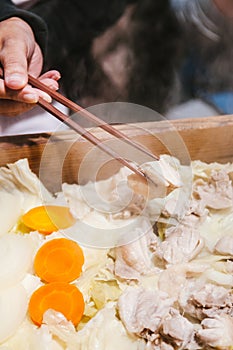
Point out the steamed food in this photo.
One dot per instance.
(128, 266)
(63, 297)
(48, 218)
(59, 260)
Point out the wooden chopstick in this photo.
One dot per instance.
(88, 136)
(76, 108)
(85, 133)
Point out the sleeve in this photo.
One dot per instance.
(8, 9)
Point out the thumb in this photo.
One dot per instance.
(15, 66)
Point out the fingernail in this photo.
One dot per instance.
(47, 98)
(58, 76)
(15, 80)
(30, 98)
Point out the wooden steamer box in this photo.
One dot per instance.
(208, 139)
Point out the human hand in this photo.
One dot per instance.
(15, 102)
(20, 55)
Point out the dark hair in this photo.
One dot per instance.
(153, 41)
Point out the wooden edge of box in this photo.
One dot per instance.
(208, 139)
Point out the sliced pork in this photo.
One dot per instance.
(216, 193)
(209, 301)
(135, 259)
(178, 329)
(217, 332)
(142, 311)
(182, 244)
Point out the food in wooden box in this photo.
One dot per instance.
(158, 266)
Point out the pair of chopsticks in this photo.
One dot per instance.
(85, 133)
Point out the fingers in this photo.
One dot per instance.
(14, 63)
(51, 74)
(52, 84)
(20, 55)
(27, 94)
(24, 95)
(15, 102)
(43, 95)
(50, 79)
(17, 45)
(15, 76)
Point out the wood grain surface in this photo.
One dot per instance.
(56, 158)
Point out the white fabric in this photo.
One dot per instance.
(194, 108)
